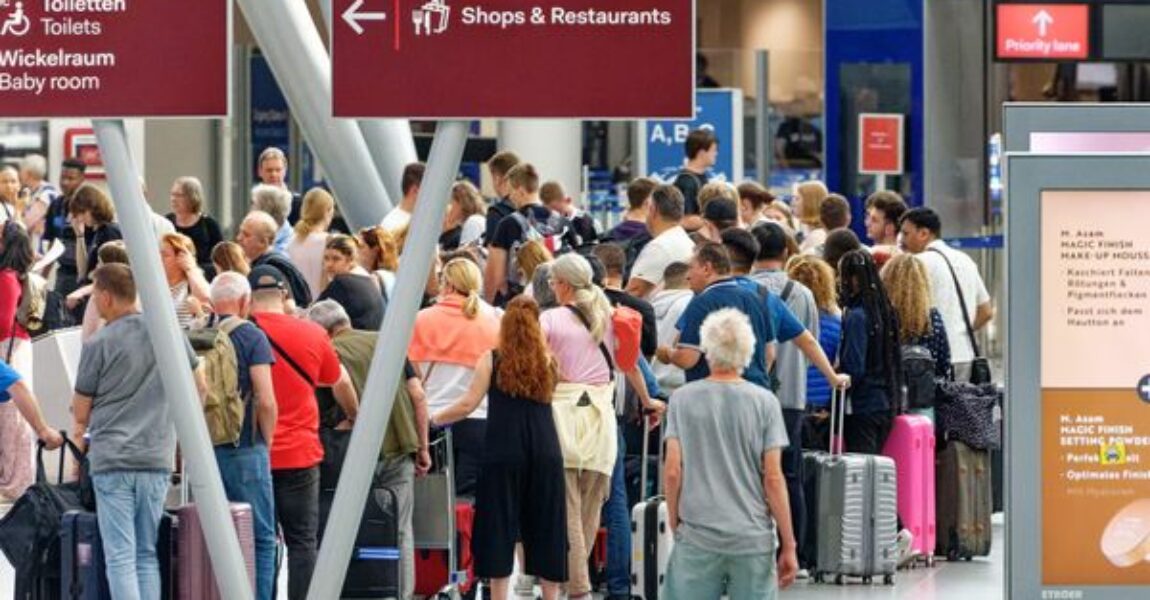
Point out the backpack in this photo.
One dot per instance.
(918, 377)
(224, 406)
(33, 302)
(549, 232)
(773, 372)
(632, 247)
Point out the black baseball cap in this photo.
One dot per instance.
(266, 277)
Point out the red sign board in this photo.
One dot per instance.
(440, 59)
(1043, 31)
(114, 58)
(880, 144)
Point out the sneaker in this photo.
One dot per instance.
(803, 574)
(906, 553)
(525, 586)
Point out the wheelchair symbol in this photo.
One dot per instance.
(18, 23)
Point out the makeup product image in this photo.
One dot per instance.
(1126, 539)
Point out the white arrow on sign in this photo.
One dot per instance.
(352, 16)
(1042, 19)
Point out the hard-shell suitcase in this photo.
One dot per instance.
(651, 539)
(911, 446)
(82, 566)
(809, 545)
(858, 513)
(195, 579)
(963, 502)
(373, 571)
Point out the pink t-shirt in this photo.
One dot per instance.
(580, 360)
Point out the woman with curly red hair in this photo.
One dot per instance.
(521, 494)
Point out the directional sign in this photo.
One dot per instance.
(660, 148)
(506, 58)
(114, 58)
(1043, 31)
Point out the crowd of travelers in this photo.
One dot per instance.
(718, 315)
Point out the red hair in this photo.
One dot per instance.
(526, 367)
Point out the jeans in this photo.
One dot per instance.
(398, 475)
(131, 504)
(247, 478)
(297, 508)
(866, 433)
(694, 574)
(793, 471)
(617, 520)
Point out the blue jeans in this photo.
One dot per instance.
(695, 573)
(247, 478)
(131, 504)
(617, 520)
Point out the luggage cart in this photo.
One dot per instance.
(433, 516)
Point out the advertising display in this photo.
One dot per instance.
(1078, 415)
(661, 154)
(114, 58)
(442, 59)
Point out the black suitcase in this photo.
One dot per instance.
(83, 571)
(374, 568)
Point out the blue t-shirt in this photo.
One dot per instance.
(818, 388)
(252, 349)
(8, 378)
(728, 293)
(786, 325)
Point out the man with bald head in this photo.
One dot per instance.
(257, 236)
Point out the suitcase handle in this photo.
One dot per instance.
(645, 457)
(838, 420)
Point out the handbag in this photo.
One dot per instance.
(980, 366)
(969, 413)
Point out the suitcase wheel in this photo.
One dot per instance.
(839, 579)
(867, 580)
(888, 580)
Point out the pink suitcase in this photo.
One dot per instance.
(911, 445)
(194, 577)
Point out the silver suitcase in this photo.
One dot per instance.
(858, 512)
(651, 538)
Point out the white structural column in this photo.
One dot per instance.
(171, 358)
(288, 37)
(554, 146)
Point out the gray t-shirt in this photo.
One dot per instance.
(130, 428)
(791, 363)
(724, 429)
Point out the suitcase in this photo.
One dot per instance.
(963, 502)
(809, 545)
(651, 538)
(195, 579)
(373, 571)
(911, 446)
(431, 570)
(82, 567)
(858, 513)
(597, 562)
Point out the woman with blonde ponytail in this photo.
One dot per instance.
(307, 245)
(581, 336)
(447, 342)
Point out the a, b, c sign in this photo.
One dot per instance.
(880, 144)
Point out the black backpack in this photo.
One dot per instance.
(918, 377)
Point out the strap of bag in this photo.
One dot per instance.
(382, 287)
(961, 301)
(787, 289)
(602, 346)
(12, 339)
(299, 370)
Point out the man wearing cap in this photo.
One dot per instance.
(304, 360)
(257, 237)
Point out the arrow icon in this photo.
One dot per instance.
(1042, 19)
(352, 16)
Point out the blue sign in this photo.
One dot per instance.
(268, 110)
(662, 154)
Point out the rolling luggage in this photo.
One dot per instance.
(858, 520)
(911, 446)
(963, 502)
(83, 572)
(651, 539)
(374, 568)
(195, 579)
(431, 569)
(809, 545)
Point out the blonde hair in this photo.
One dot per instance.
(819, 277)
(317, 203)
(385, 246)
(178, 241)
(469, 199)
(530, 255)
(717, 189)
(908, 287)
(575, 271)
(811, 195)
(465, 279)
(228, 256)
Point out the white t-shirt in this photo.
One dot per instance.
(396, 220)
(945, 297)
(673, 245)
(307, 256)
(473, 229)
(161, 225)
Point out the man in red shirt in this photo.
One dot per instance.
(305, 359)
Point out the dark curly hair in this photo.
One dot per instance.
(526, 367)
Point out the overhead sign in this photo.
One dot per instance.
(441, 59)
(114, 58)
(1043, 31)
(661, 149)
(881, 146)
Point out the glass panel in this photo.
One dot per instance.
(871, 88)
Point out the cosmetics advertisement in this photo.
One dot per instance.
(1095, 315)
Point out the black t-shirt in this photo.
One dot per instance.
(107, 233)
(361, 297)
(510, 232)
(205, 234)
(803, 141)
(499, 209)
(449, 240)
(689, 183)
(649, 341)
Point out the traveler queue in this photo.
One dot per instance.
(546, 344)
